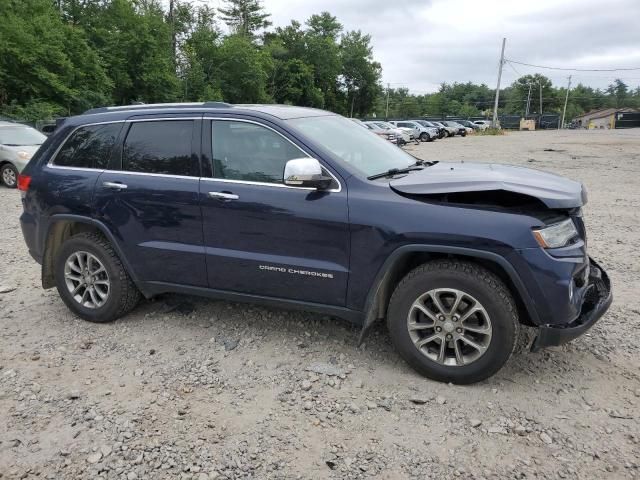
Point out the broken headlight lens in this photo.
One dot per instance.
(556, 235)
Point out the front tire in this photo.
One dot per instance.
(92, 281)
(453, 321)
(424, 137)
(9, 175)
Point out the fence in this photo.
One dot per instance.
(627, 120)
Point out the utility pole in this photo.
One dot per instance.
(540, 83)
(386, 112)
(566, 100)
(173, 31)
(528, 101)
(494, 122)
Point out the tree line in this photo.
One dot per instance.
(62, 57)
(471, 100)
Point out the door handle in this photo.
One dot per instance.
(114, 185)
(224, 196)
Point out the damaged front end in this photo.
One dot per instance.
(504, 182)
(596, 301)
(568, 291)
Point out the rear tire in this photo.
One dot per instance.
(491, 328)
(9, 175)
(92, 281)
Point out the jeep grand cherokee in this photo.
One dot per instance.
(297, 207)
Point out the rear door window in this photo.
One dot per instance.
(161, 147)
(89, 146)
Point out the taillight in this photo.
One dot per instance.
(23, 182)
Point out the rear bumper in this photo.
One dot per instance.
(596, 302)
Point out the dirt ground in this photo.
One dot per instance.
(198, 389)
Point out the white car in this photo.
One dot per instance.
(483, 124)
(419, 131)
(18, 143)
(451, 131)
(403, 133)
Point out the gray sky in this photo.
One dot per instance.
(421, 43)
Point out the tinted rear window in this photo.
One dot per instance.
(89, 147)
(159, 147)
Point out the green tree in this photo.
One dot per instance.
(242, 71)
(200, 58)
(360, 73)
(619, 92)
(324, 54)
(245, 17)
(45, 61)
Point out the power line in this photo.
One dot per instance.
(514, 69)
(575, 69)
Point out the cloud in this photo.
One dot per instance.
(422, 43)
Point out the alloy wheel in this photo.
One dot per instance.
(87, 279)
(9, 177)
(449, 326)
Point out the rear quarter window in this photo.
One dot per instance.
(89, 146)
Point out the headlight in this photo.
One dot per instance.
(22, 155)
(556, 235)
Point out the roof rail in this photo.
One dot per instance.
(152, 106)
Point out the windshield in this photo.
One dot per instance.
(385, 126)
(20, 136)
(366, 153)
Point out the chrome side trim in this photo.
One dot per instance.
(165, 175)
(230, 119)
(157, 119)
(80, 169)
(261, 184)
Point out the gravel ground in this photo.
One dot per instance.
(197, 389)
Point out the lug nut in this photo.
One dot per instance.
(448, 336)
(455, 318)
(441, 318)
(438, 329)
(459, 330)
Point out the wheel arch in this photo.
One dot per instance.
(406, 258)
(60, 228)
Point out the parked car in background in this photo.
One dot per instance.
(442, 132)
(468, 124)
(420, 132)
(483, 124)
(434, 132)
(450, 131)
(459, 129)
(403, 135)
(407, 133)
(18, 143)
(387, 134)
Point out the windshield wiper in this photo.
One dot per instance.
(419, 165)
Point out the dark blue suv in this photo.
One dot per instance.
(301, 208)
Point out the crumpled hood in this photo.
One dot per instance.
(447, 177)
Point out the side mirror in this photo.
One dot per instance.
(307, 173)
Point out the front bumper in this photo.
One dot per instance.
(597, 301)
